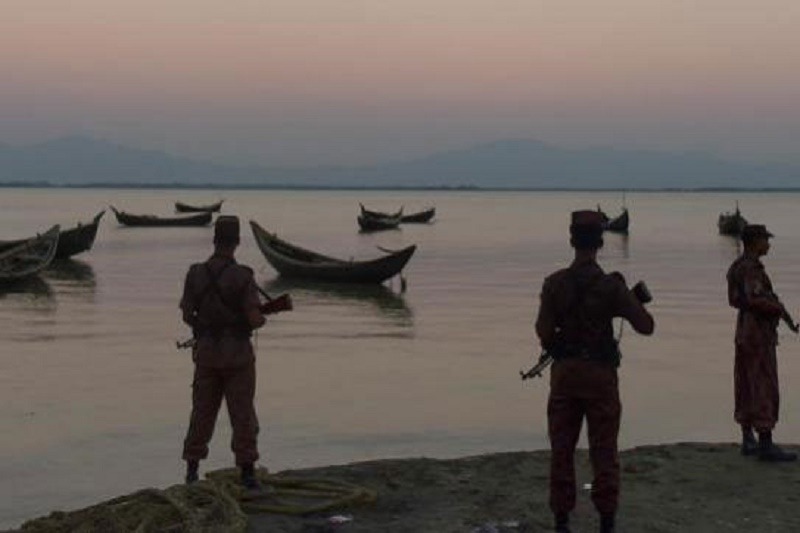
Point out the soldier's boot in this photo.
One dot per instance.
(607, 523)
(249, 479)
(562, 523)
(192, 468)
(771, 452)
(749, 442)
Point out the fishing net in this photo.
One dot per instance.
(215, 505)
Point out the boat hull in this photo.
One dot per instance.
(294, 262)
(30, 257)
(127, 219)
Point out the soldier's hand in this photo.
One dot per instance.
(618, 276)
(795, 327)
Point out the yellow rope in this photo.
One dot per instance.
(218, 503)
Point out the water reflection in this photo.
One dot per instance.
(617, 242)
(729, 247)
(379, 298)
(73, 271)
(33, 287)
(31, 294)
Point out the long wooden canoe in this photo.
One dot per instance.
(127, 219)
(295, 262)
(30, 257)
(72, 241)
(370, 223)
(619, 224)
(180, 207)
(419, 218)
(379, 214)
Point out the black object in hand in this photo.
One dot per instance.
(642, 293)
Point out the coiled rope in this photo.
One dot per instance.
(218, 503)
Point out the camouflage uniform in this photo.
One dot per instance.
(224, 357)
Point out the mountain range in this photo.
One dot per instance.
(505, 164)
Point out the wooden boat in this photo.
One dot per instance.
(419, 218)
(78, 239)
(70, 242)
(618, 224)
(378, 214)
(370, 223)
(731, 223)
(180, 207)
(127, 219)
(295, 262)
(29, 257)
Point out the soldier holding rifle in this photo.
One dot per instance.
(574, 326)
(221, 304)
(756, 393)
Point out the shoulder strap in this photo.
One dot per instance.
(213, 286)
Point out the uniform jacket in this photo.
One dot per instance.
(221, 328)
(578, 304)
(750, 291)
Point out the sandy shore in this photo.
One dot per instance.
(693, 487)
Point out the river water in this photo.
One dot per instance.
(95, 397)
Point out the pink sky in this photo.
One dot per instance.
(350, 81)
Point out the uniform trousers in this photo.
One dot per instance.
(755, 376)
(237, 386)
(582, 388)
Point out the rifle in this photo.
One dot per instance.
(536, 371)
(640, 291)
(785, 316)
(270, 307)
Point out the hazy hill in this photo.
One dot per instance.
(503, 164)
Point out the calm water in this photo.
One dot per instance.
(96, 397)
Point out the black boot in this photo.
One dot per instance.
(249, 479)
(749, 443)
(562, 523)
(192, 467)
(607, 523)
(770, 452)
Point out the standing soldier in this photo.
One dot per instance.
(220, 302)
(755, 372)
(574, 326)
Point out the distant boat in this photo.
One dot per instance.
(180, 207)
(70, 242)
(731, 223)
(370, 223)
(379, 214)
(419, 218)
(618, 224)
(127, 219)
(29, 257)
(295, 262)
(413, 218)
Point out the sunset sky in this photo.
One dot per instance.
(307, 82)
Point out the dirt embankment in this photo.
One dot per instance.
(687, 488)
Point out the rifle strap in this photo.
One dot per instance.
(213, 287)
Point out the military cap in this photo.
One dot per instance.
(226, 229)
(752, 232)
(587, 220)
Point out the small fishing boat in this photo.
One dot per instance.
(618, 224)
(180, 207)
(29, 257)
(379, 214)
(127, 219)
(295, 262)
(419, 218)
(70, 242)
(731, 223)
(370, 223)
